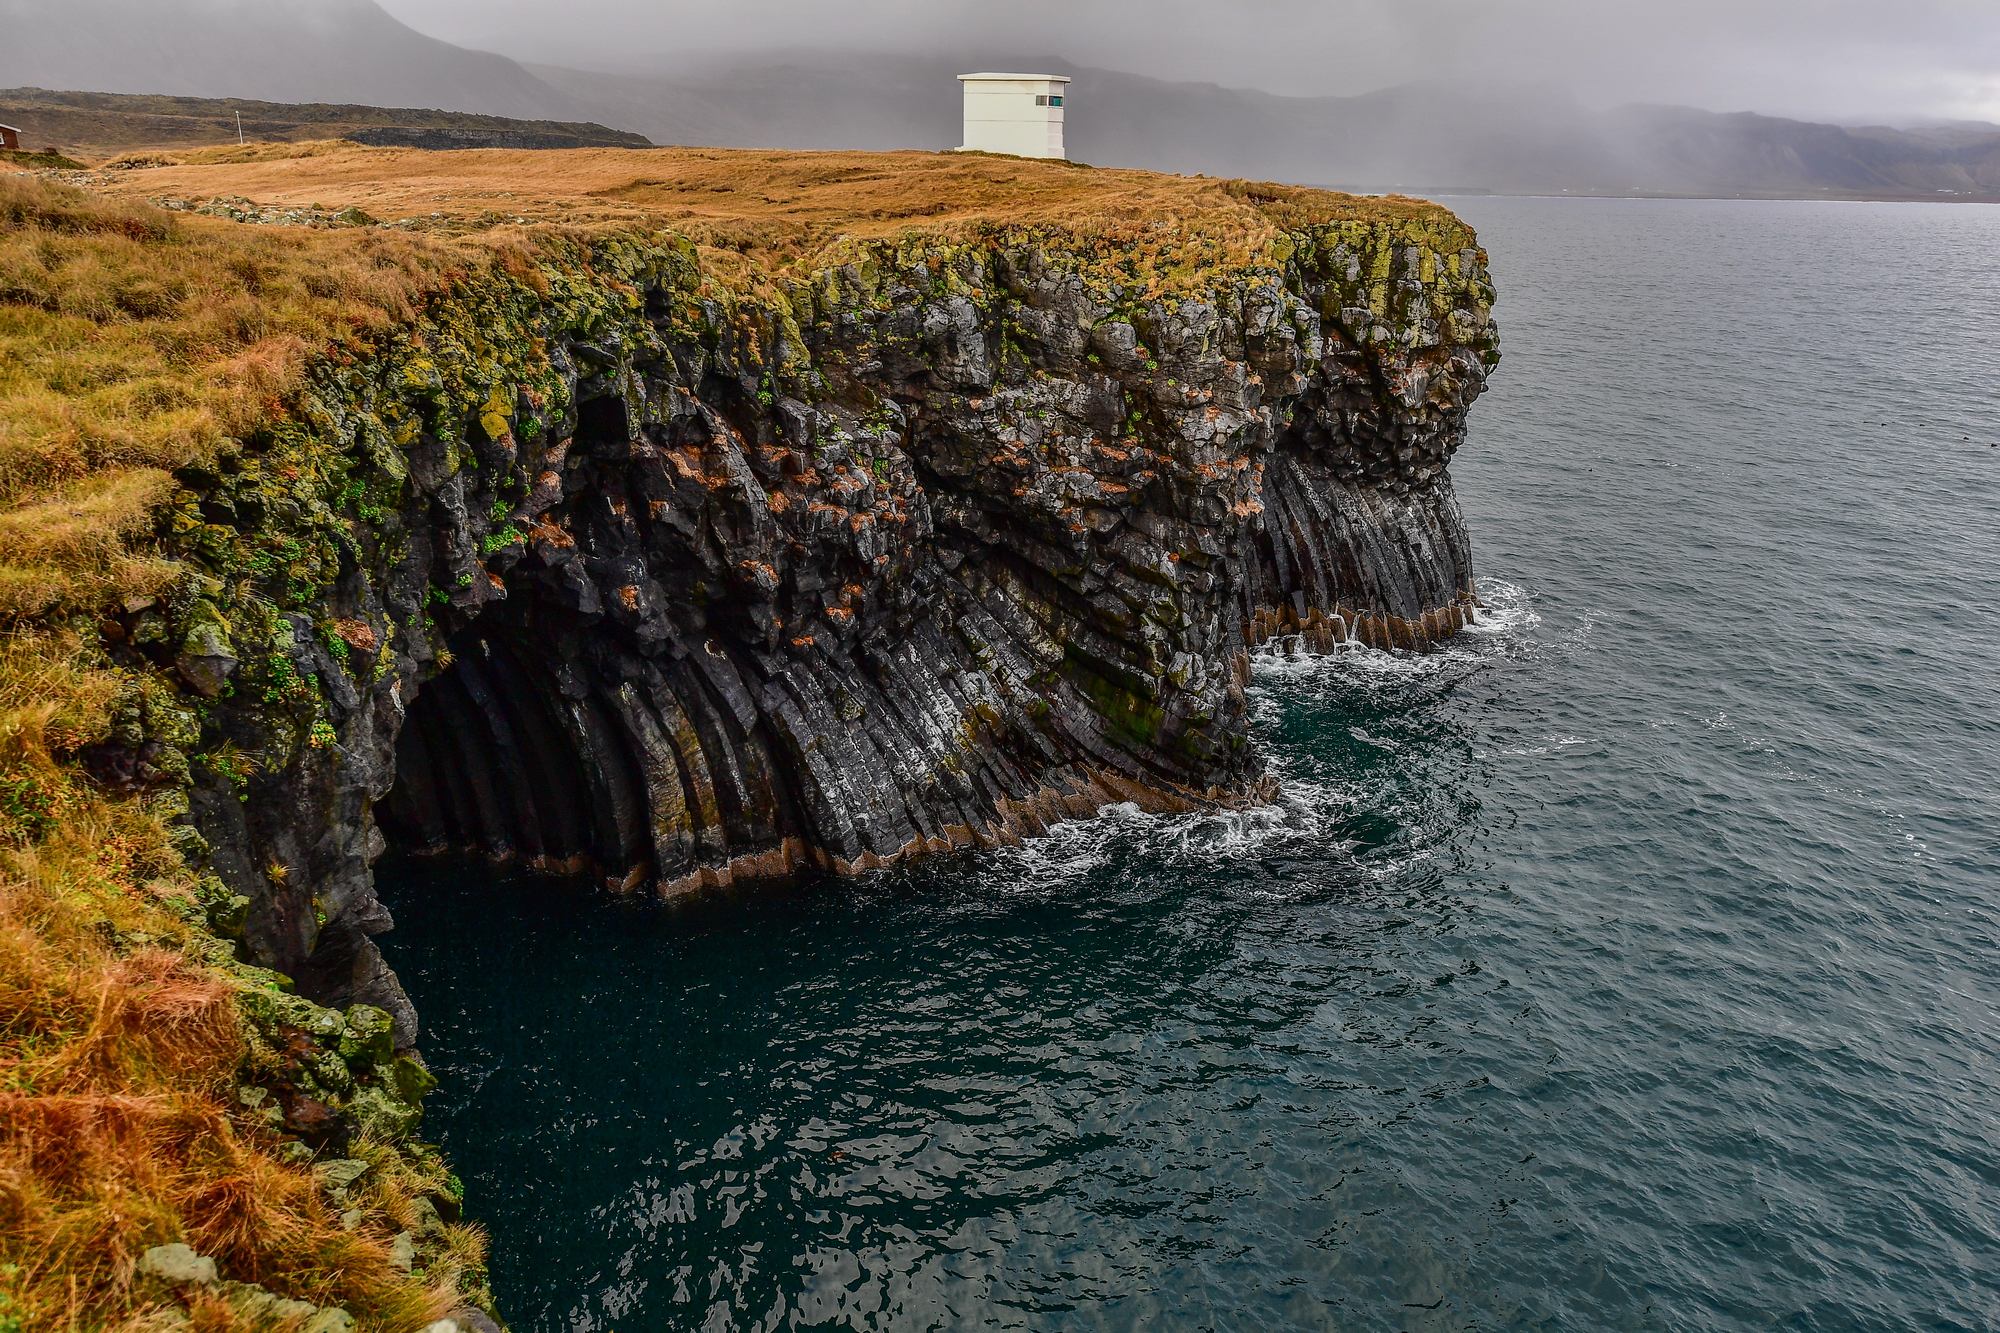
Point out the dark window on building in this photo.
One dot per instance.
(1047, 101)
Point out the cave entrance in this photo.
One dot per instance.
(552, 746)
(501, 758)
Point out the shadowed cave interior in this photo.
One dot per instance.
(545, 747)
(485, 765)
(514, 756)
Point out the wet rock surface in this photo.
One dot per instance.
(594, 569)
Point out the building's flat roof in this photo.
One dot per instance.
(1042, 78)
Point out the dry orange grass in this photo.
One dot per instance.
(861, 194)
(133, 342)
(118, 1055)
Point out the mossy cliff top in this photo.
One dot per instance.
(136, 339)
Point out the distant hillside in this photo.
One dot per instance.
(287, 51)
(1684, 151)
(103, 124)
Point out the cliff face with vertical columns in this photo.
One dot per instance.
(675, 559)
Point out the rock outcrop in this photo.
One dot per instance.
(925, 545)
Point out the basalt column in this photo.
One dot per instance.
(922, 549)
(1360, 538)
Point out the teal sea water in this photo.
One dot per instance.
(1631, 965)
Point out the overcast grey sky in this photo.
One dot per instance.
(1818, 58)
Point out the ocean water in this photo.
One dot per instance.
(1631, 965)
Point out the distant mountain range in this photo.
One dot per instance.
(285, 51)
(1416, 139)
(1437, 139)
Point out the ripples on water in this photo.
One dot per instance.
(1629, 965)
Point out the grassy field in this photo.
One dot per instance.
(808, 195)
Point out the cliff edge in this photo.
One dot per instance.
(684, 515)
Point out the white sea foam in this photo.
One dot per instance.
(1066, 854)
(1508, 610)
(1306, 816)
(1302, 819)
(1505, 619)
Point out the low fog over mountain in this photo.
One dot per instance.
(1454, 134)
(1413, 137)
(277, 50)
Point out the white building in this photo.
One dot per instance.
(1020, 114)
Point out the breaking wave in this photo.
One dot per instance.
(1312, 806)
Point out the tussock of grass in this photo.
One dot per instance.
(51, 699)
(119, 1044)
(48, 159)
(84, 538)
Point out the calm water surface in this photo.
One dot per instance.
(1631, 965)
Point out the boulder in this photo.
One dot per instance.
(178, 1264)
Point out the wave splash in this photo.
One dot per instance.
(1312, 807)
(1506, 613)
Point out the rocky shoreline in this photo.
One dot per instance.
(629, 554)
(947, 543)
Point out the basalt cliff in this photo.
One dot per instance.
(911, 505)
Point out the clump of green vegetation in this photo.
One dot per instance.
(47, 159)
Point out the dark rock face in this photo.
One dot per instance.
(939, 548)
